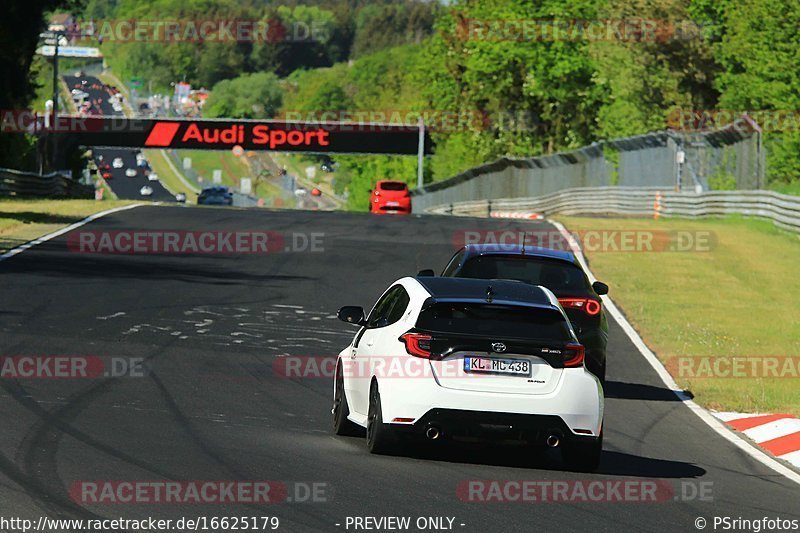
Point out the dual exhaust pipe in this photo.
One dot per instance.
(553, 439)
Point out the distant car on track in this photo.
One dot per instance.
(180, 198)
(152, 176)
(131, 172)
(146, 190)
(107, 175)
(493, 358)
(117, 162)
(216, 195)
(390, 196)
(557, 270)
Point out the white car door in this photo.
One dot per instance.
(368, 346)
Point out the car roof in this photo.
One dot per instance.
(473, 250)
(478, 290)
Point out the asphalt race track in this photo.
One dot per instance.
(211, 407)
(124, 187)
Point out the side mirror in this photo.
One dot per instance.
(352, 314)
(427, 272)
(600, 288)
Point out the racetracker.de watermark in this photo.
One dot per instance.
(629, 30)
(766, 366)
(583, 491)
(610, 240)
(764, 120)
(202, 30)
(71, 367)
(193, 242)
(204, 492)
(436, 120)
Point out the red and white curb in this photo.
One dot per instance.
(516, 214)
(778, 434)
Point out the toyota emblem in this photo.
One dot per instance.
(498, 347)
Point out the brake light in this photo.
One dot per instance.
(589, 306)
(573, 355)
(417, 344)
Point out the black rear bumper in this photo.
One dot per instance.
(492, 426)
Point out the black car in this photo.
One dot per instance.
(560, 272)
(215, 196)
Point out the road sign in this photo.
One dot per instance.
(69, 51)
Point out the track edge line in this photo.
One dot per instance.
(39, 240)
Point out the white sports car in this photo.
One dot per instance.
(117, 162)
(449, 357)
(146, 191)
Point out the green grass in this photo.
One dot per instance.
(792, 188)
(166, 176)
(233, 168)
(25, 220)
(204, 162)
(738, 299)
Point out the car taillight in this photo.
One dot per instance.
(417, 344)
(589, 306)
(573, 355)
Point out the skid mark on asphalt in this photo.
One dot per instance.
(276, 328)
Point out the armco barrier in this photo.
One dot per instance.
(782, 209)
(14, 183)
(671, 160)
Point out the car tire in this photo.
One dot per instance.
(599, 370)
(341, 410)
(583, 456)
(379, 436)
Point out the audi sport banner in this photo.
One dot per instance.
(279, 136)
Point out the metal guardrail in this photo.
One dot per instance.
(782, 209)
(667, 159)
(14, 183)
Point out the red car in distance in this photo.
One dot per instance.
(390, 196)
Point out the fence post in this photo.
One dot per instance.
(488, 208)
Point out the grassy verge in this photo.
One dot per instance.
(25, 220)
(204, 162)
(167, 177)
(739, 299)
(233, 168)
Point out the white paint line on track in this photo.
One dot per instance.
(773, 430)
(715, 424)
(30, 244)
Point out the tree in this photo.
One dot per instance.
(256, 95)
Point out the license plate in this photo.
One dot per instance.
(485, 365)
(392, 203)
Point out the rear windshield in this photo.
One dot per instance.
(393, 186)
(498, 321)
(558, 276)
